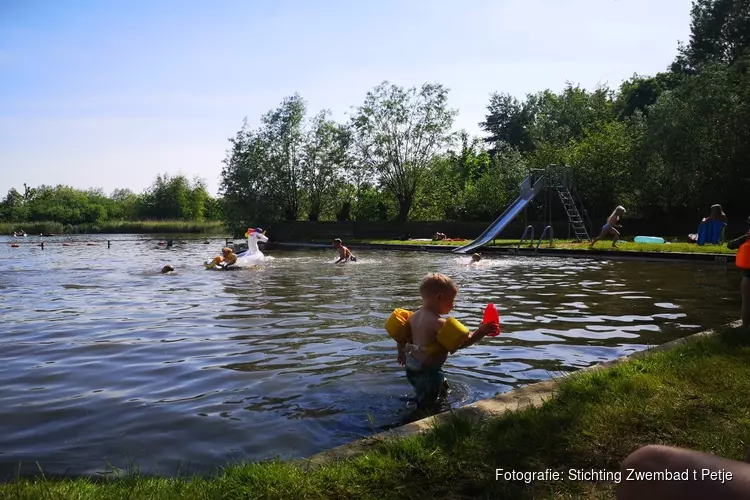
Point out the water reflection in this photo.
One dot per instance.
(105, 359)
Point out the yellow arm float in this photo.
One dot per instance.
(453, 335)
(398, 326)
(213, 263)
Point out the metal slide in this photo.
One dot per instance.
(528, 192)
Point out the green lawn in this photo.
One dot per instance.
(692, 396)
(605, 245)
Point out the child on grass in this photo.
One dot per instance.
(345, 254)
(425, 370)
(611, 226)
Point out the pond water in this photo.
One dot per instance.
(107, 361)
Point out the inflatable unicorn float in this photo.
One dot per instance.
(250, 257)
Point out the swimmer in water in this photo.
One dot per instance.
(476, 257)
(230, 258)
(167, 269)
(345, 255)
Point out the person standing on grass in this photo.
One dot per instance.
(742, 244)
(611, 227)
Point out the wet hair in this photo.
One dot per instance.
(337, 240)
(167, 269)
(476, 256)
(435, 283)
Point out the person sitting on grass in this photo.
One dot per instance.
(742, 241)
(425, 370)
(439, 237)
(345, 255)
(611, 227)
(708, 476)
(717, 213)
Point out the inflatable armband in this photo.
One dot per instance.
(491, 316)
(397, 325)
(743, 256)
(213, 263)
(453, 335)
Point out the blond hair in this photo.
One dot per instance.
(618, 208)
(435, 283)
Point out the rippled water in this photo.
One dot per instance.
(105, 360)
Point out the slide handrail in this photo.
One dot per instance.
(531, 238)
(551, 238)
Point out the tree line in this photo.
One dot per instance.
(168, 198)
(667, 145)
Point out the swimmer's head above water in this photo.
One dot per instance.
(476, 257)
(167, 269)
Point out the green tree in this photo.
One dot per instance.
(398, 133)
(284, 146)
(719, 32)
(244, 182)
(324, 158)
(508, 121)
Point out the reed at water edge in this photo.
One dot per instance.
(116, 227)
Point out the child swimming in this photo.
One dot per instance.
(167, 269)
(345, 254)
(476, 257)
(611, 226)
(424, 365)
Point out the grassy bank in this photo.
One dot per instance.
(606, 245)
(117, 227)
(693, 396)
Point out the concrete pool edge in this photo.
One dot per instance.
(716, 258)
(532, 395)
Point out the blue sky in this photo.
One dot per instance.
(109, 93)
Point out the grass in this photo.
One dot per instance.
(117, 227)
(604, 245)
(693, 396)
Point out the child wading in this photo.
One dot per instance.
(424, 355)
(611, 226)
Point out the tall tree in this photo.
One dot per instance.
(283, 135)
(325, 157)
(398, 133)
(244, 180)
(719, 32)
(507, 121)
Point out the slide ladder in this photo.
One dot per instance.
(574, 216)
